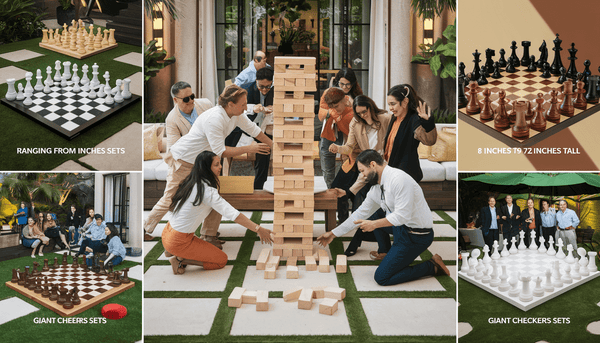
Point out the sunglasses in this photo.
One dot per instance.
(264, 87)
(187, 98)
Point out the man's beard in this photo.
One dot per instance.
(372, 178)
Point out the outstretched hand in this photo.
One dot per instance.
(366, 225)
(339, 192)
(423, 110)
(260, 148)
(325, 238)
(265, 235)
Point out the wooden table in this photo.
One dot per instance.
(264, 201)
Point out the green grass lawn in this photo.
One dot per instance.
(127, 329)
(22, 132)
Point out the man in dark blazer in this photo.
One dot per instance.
(489, 220)
(511, 215)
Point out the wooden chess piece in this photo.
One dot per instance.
(84, 264)
(111, 37)
(546, 71)
(62, 297)
(586, 73)
(75, 296)
(462, 97)
(543, 55)
(496, 74)
(525, 60)
(538, 122)
(27, 271)
(552, 115)
(572, 71)
(520, 129)
(529, 114)
(35, 272)
(14, 278)
(580, 101)
(105, 39)
(502, 61)
(513, 55)
(501, 121)
(46, 267)
(54, 293)
(46, 292)
(489, 62)
(566, 107)
(475, 73)
(116, 280)
(21, 280)
(473, 104)
(487, 112)
(64, 259)
(75, 263)
(31, 285)
(67, 304)
(563, 76)
(592, 93)
(38, 286)
(125, 276)
(461, 70)
(111, 272)
(557, 63)
(45, 36)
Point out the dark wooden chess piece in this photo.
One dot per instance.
(511, 66)
(552, 114)
(14, 278)
(31, 286)
(46, 292)
(75, 263)
(512, 116)
(487, 112)
(462, 97)
(543, 55)
(55, 265)
(46, 267)
(592, 93)
(473, 104)
(501, 121)
(461, 70)
(38, 286)
(483, 77)
(67, 304)
(116, 280)
(111, 272)
(489, 62)
(580, 101)
(496, 74)
(125, 276)
(520, 129)
(84, 264)
(27, 271)
(476, 69)
(586, 73)
(529, 114)
(566, 107)
(546, 74)
(502, 61)
(525, 60)
(538, 122)
(34, 271)
(532, 65)
(21, 281)
(572, 71)
(557, 63)
(513, 55)
(563, 76)
(75, 296)
(62, 295)
(65, 262)
(54, 293)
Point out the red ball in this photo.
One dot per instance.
(114, 311)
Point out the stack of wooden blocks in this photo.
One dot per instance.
(293, 171)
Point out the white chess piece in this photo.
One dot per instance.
(108, 100)
(495, 281)
(67, 70)
(570, 259)
(75, 70)
(28, 87)
(551, 250)
(49, 80)
(57, 68)
(548, 285)
(480, 267)
(63, 81)
(473, 262)
(464, 268)
(11, 94)
(542, 248)
(522, 245)
(106, 76)
(575, 271)
(27, 101)
(76, 88)
(592, 262)
(84, 78)
(532, 245)
(583, 257)
(514, 280)
(47, 87)
(495, 254)
(118, 96)
(559, 249)
(525, 295)
(486, 256)
(126, 92)
(538, 291)
(20, 95)
(486, 278)
(566, 278)
(556, 276)
(92, 93)
(95, 82)
(39, 86)
(505, 251)
(504, 285)
(513, 247)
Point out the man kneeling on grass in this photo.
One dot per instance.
(408, 218)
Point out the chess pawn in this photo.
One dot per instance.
(63, 82)
(504, 285)
(496, 74)
(14, 278)
(559, 249)
(101, 93)
(538, 122)
(98, 39)
(487, 112)
(75, 70)
(566, 278)
(580, 102)
(582, 257)
(65, 44)
(495, 280)
(486, 278)
(45, 36)
(39, 86)
(20, 95)
(462, 97)
(510, 68)
(464, 268)
(473, 104)
(542, 248)
(570, 259)
(49, 79)
(532, 64)
(108, 100)
(75, 296)
(92, 94)
(514, 280)
(538, 291)
(62, 295)
(11, 94)
(28, 101)
(46, 267)
(47, 88)
(111, 37)
(551, 250)
(486, 256)
(505, 251)
(495, 254)
(126, 92)
(566, 107)
(105, 39)
(28, 87)
(548, 285)
(575, 272)
(57, 74)
(592, 262)
(483, 76)
(552, 115)
(501, 121)
(38, 286)
(57, 38)
(532, 245)
(520, 129)
(546, 71)
(118, 96)
(513, 248)
(525, 295)
(480, 267)
(46, 292)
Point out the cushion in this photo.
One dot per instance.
(161, 171)
(151, 150)
(450, 170)
(150, 168)
(114, 311)
(444, 148)
(432, 171)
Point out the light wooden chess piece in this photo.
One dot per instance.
(98, 39)
(105, 39)
(45, 36)
(65, 42)
(111, 37)
(51, 36)
(57, 37)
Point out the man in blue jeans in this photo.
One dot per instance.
(408, 217)
(95, 237)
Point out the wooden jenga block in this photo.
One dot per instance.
(249, 297)
(328, 306)
(298, 108)
(288, 134)
(235, 298)
(309, 68)
(261, 262)
(297, 252)
(301, 82)
(292, 272)
(316, 256)
(277, 228)
(305, 299)
(292, 294)
(309, 108)
(311, 264)
(335, 293)
(299, 184)
(323, 254)
(289, 82)
(308, 228)
(323, 264)
(299, 94)
(278, 240)
(276, 252)
(298, 134)
(273, 262)
(289, 184)
(341, 264)
(288, 107)
(291, 261)
(280, 68)
(262, 300)
(307, 240)
(287, 252)
(270, 272)
(319, 292)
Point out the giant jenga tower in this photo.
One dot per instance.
(293, 171)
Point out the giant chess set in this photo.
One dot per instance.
(68, 103)
(521, 105)
(68, 289)
(528, 277)
(76, 41)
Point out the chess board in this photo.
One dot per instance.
(93, 288)
(76, 54)
(535, 264)
(523, 85)
(66, 112)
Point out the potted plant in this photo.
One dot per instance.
(65, 13)
(287, 36)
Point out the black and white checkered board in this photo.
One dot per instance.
(66, 112)
(533, 263)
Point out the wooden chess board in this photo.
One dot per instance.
(523, 85)
(93, 288)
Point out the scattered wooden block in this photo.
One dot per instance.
(323, 264)
(270, 272)
(319, 292)
(292, 272)
(335, 293)
(261, 262)
(273, 262)
(328, 306)
(291, 261)
(341, 264)
(305, 299)
(249, 297)
(235, 298)
(262, 300)
(311, 264)
(292, 294)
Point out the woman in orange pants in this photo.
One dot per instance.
(196, 196)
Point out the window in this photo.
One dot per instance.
(116, 203)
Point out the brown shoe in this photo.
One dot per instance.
(440, 266)
(168, 254)
(212, 240)
(148, 237)
(176, 265)
(374, 255)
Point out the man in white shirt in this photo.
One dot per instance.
(408, 217)
(208, 133)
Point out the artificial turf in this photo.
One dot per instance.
(357, 319)
(22, 132)
(127, 329)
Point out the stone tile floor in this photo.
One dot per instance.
(359, 315)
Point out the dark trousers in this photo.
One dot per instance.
(344, 181)
(548, 232)
(395, 267)
(493, 235)
(96, 246)
(261, 168)
(359, 235)
(509, 232)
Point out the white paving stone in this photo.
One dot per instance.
(443, 230)
(174, 316)
(148, 246)
(594, 328)
(463, 329)
(447, 250)
(364, 281)
(138, 259)
(415, 315)
(267, 216)
(70, 166)
(453, 274)
(133, 58)
(136, 272)
(13, 308)
(137, 83)
(255, 279)
(362, 254)
(130, 159)
(258, 247)
(11, 72)
(232, 230)
(284, 318)
(453, 214)
(436, 217)
(20, 55)
(161, 278)
(231, 248)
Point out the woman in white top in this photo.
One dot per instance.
(195, 198)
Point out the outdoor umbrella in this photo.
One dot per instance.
(538, 183)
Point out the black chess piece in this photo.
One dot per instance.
(532, 64)
(513, 55)
(557, 63)
(592, 93)
(511, 66)
(546, 74)
(62, 297)
(462, 97)
(586, 73)
(525, 60)
(461, 70)
(543, 55)
(496, 74)
(476, 69)
(54, 293)
(75, 296)
(15, 278)
(563, 75)
(572, 71)
(489, 62)
(125, 278)
(502, 61)
(482, 76)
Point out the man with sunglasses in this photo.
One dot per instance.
(187, 108)
(407, 217)
(261, 96)
(246, 78)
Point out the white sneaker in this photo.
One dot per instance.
(32, 256)
(41, 253)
